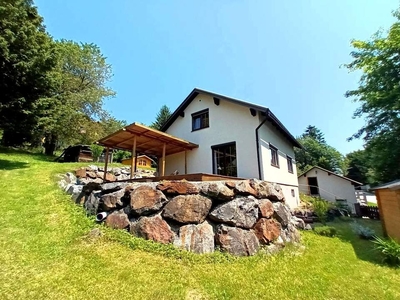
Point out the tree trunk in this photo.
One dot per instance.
(50, 144)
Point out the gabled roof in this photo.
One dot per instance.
(268, 114)
(330, 173)
(394, 185)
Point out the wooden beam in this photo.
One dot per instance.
(163, 160)
(185, 161)
(136, 162)
(133, 160)
(106, 163)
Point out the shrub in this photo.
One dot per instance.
(120, 155)
(363, 232)
(390, 250)
(96, 152)
(325, 231)
(321, 207)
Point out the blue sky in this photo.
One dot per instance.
(285, 55)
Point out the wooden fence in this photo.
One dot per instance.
(371, 212)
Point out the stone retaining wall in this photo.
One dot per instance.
(238, 217)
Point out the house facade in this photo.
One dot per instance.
(329, 186)
(143, 161)
(235, 138)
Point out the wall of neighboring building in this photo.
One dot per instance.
(331, 187)
(228, 122)
(389, 208)
(268, 134)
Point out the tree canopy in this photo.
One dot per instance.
(26, 56)
(161, 118)
(52, 91)
(316, 152)
(378, 94)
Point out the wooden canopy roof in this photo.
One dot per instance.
(148, 141)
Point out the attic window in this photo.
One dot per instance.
(200, 120)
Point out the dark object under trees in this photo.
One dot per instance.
(75, 154)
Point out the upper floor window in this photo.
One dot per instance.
(274, 156)
(200, 120)
(289, 164)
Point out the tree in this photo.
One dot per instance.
(315, 133)
(74, 112)
(26, 57)
(161, 118)
(358, 166)
(378, 93)
(316, 152)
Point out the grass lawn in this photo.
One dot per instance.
(45, 253)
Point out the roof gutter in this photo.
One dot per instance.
(258, 143)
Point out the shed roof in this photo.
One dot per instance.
(330, 173)
(148, 141)
(269, 115)
(393, 185)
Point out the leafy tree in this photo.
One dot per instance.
(358, 166)
(26, 57)
(316, 152)
(161, 118)
(378, 94)
(74, 111)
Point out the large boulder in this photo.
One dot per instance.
(91, 174)
(298, 223)
(268, 190)
(244, 187)
(75, 192)
(111, 187)
(188, 209)
(80, 173)
(153, 228)
(236, 241)
(240, 212)
(266, 208)
(178, 187)
(218, 191)
(267, 230)
(70, 178)
(290, 235)
(117, 220)
(282, 213)
(92, 202)
(110, 177)
(146, 200)
(112, 200)
(196, 238)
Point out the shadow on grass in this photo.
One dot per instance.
(364, 249)
(12, 165)
(35, 156)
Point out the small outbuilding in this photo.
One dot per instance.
(330, 186)
(388, 196)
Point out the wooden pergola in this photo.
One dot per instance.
(138, 138)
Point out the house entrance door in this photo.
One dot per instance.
(313, 186)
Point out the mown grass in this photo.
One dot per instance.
(46, 253)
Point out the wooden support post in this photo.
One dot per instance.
(106, 163)
(185, 161)
(133, 160)
(136, 162)
(163, 160)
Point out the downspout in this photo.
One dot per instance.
(258, 143)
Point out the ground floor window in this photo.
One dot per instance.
(224, 159)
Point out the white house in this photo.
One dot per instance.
(329, 186)
(234, 138)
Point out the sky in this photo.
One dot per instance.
(285, 55)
